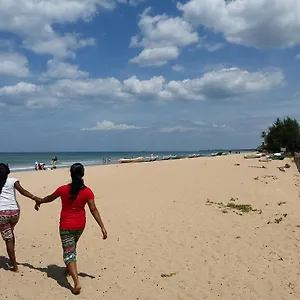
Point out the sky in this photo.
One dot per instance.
(124, 75)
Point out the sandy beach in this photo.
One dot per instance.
(166, 217)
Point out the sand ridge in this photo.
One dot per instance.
(158, 222)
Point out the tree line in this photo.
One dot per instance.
(283, 134)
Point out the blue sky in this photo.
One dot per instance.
(100, 75)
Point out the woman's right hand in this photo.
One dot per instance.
(104, 232)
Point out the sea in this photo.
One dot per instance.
(25, 161)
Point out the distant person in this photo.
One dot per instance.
(54, 162)
(10, 211)
(36, 166)
(74, 197)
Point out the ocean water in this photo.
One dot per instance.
(25, 161)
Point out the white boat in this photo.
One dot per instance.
(140, 159)
(253, 155)
(125, 160)
(166, 157)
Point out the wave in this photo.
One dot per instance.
(60, 165)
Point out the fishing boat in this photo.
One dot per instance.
(167, 157)
(278, 156)
(253, 155)
(140, 159)
(125, 160)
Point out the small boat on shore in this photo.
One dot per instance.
(253, 155)
(278, 156)
(167, 157)
(125, 160)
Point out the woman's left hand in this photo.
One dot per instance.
(37, 206)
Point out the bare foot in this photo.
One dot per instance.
(77, 290)
(12, 268)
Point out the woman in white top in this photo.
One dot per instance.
(10, 211)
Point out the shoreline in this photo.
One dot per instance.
(26, 161)
(115, 162)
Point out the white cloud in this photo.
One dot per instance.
(33, 21)
(161, 37)
(298, 56)
(178, 68)
(110, 126)
(21, 88)
(156, 56)
(257, 23)
(13, 64)
(220, 84)
(59, 69)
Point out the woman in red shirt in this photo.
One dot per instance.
(74, 197)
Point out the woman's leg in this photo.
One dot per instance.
(69, 239)
(7, 232)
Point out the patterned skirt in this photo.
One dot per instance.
(69, 239)
(8, 220)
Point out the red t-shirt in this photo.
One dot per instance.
(72, 216)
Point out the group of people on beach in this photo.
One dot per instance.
(39, 166)
(74, 197)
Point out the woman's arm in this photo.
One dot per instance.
(49, 198)
(94, 211)
(24, 192)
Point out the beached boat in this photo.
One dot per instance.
(167, 157)
(140, 159)
(253, 155)
(278, 156)
(174, 157)
(125, 160)
(217, 153)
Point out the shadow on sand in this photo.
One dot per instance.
(55, 272)
(3, 262)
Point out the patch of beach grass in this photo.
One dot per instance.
(241, 207)
(237, 208)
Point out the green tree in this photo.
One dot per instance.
(282, 134)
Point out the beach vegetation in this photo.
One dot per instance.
(241, 207)
(283, 133)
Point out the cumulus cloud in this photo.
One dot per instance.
(110, 126)
(59, 69)
(33, 21)
(13, 64)
(161, 37)
(156, 56)
(220, 84)
(256, 23)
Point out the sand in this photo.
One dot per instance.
(159, 221)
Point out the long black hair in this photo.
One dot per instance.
(4, 171)
(77, 184)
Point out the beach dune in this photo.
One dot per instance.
(170, 233)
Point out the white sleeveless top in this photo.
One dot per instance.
(8, 200)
